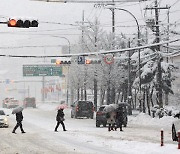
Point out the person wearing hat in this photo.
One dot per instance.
(60, 119)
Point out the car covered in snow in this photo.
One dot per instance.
(10, 103)
(176, 127)
(3, 119)
(101, 117)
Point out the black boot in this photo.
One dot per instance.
(64, 129)
(109, 128)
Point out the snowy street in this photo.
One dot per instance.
(82, 135)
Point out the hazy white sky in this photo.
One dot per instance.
(64, 20)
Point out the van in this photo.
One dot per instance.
(82, 109)
(29, 102)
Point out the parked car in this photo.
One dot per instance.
(10, 103)
(29, 102)
(82, 109)
(101, 117)
(3, 119)
(176, 127)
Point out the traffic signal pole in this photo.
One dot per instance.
(159, 70)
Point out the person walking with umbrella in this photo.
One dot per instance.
(119, 118)
(60, 119)
(19, 119)
(110, 111)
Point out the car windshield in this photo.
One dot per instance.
(2, 112)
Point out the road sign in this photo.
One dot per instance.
(81, 59)
(42, 70)
(53, 61)
(109, 59)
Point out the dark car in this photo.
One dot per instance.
(82, 109)
(176, 127)
(101, 117)
(29, 102)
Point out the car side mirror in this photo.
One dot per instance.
(177, 116)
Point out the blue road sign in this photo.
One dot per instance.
(81, 60)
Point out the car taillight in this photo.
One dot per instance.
(99, 113)
(93, 109)
(77, 108)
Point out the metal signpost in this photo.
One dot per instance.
(42, 70)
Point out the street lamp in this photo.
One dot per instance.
(138, 43)
(66, 40)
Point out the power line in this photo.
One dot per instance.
(89, 1)
(29, 46)
(175, 3)
(95, 53)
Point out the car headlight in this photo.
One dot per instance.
(5, 120)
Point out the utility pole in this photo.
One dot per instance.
(157, 33)
(129, 81)
(82, 48)
(110, 89)
(168, 32)
(95, 69)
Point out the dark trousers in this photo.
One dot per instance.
(111, 127)
(62, 123)
(19, 124)
(119, 125)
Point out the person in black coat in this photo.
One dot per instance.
(19, 119)
(60, 119)
(119, 118)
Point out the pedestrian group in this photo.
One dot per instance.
(59, 118)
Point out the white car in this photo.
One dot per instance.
(3, 119)
(176, 127)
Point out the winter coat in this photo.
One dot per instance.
(119, 116)
(111, 117)
(19, 116)
(60, 115)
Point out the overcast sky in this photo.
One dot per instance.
(65, 19)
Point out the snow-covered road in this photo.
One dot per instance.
(139, 137)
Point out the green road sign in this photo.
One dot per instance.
(42, 70)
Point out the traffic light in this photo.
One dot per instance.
(22, 23)
(93, 61)
(60, 62)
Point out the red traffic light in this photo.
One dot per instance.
(93, 61)
(88, 61)
(59, 62)
(22, 23)
(12, 23)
